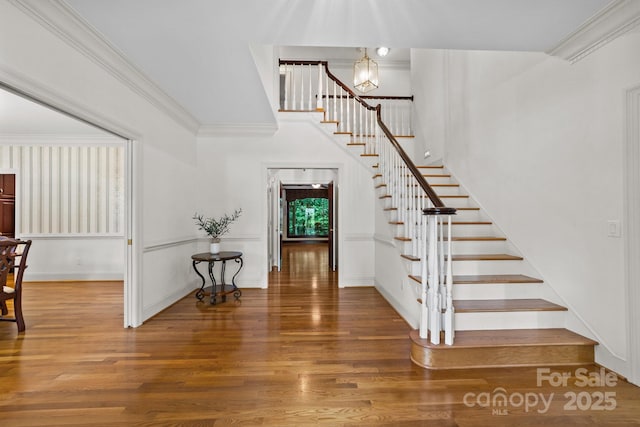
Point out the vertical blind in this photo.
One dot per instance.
(68, 189)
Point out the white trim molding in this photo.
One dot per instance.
(59, 18)
(632, 225)
(619, 17)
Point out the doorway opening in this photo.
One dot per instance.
(303, 219)
(73, 183)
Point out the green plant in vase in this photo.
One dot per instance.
(216, 227)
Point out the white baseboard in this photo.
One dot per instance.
(399, 308)
(149, 312)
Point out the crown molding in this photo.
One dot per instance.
(619, 17)
(57, 139)
(238, 129)
(59, 18)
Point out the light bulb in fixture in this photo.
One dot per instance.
(382, 51)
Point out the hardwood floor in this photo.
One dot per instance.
(303, 352)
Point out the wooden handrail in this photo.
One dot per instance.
(438, 207)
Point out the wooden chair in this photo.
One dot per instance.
(10, 250)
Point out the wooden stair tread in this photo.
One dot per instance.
(473, 279)
(396, 222)
(453, 196)
(502, 305)
(512, 338)
(476, 238)
(486, 257)
(437, 175)
(369, 155)
(494, 278)
(403, 239)
(353, 144)
(410, 257)
(471, 223)
(431, 167)
(468, 209)
(378, 175)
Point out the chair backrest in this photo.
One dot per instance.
(10, 249)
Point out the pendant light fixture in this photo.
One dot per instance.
(365, 74)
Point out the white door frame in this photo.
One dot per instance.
(632, 234)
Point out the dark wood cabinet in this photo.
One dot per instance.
(7, 205)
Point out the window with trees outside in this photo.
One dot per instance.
(308, 218)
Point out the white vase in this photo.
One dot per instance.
(215, 247)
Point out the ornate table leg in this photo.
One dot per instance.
(223, 283)
(199, 292)
(237, 292)
(213, 281)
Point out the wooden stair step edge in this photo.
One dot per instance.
(476, 239)
(504, 348)
(369, 155)
(505, 305)
(431, 167)
(486, 257)
(488, 279)
(410, 257)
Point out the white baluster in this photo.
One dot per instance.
(424, 307)
(310, 99)
(435, 318)
(449, 331)
(294, 83)
(320, 97)
(335, 101)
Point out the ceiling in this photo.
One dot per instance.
(199, 52)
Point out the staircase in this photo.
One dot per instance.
(493, 303)
(500, 319)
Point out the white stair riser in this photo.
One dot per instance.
(460, 247)
(449, 191)
(478, 247)
(490, 267)
(468, 215)
(455, 202)
(438, 180)
(470, 230)
(497, 291)
(509, 320)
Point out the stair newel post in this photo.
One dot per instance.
(424, 307)
(320, 98)
(435, 316)
(441, 260)
(449, 327)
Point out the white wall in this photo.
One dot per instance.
(53, 69)
(233, 172)
(428, 82)
(538, 142)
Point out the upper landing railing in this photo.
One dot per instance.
(419, 213)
